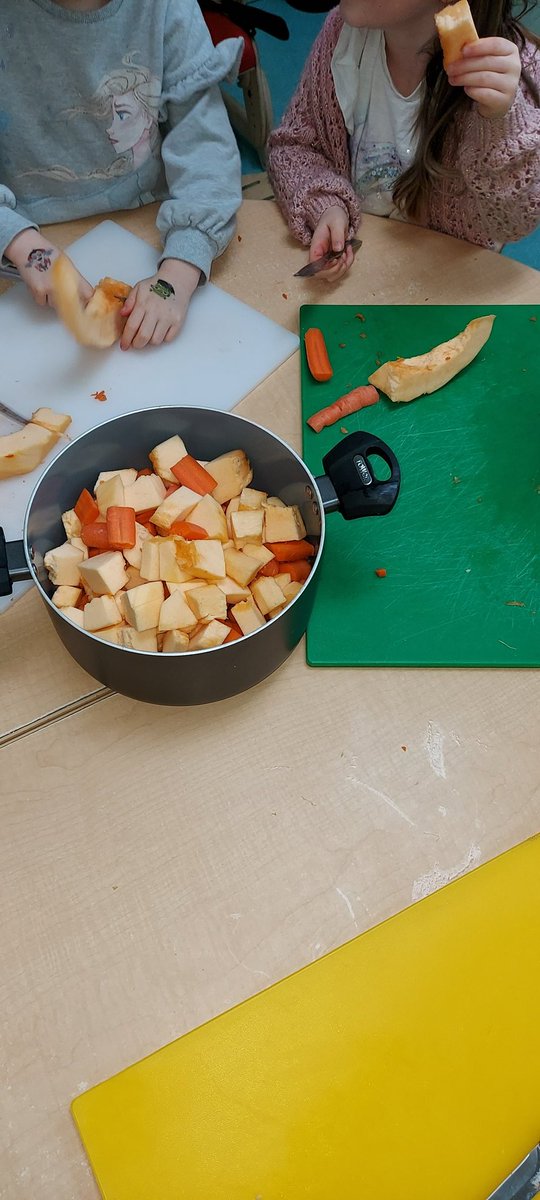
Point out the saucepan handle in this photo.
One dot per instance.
(351, 485)
(13, 565)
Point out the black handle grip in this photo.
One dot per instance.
(13, 565)
(350, 483)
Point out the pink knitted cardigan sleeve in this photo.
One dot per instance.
(308, 155)
(493, 196)
(496, 195)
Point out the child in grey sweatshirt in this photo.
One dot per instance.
(112, 104)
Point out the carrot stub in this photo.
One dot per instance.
(232, 636)
(145, 515)
(190, 473)
(360, 397)
(271, 568)
(298, 571)
(121, 527)
(290, 551)
(317, 355)
(95, 535)
(188, 530)
(86, 508)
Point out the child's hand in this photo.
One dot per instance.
(489, 70)
(33, 256)
(331, 233)
(156, 308)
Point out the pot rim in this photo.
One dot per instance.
(141, 412)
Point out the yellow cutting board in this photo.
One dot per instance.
(403, 1066)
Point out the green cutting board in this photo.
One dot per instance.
(460, 548)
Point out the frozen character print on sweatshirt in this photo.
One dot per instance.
(127, 103)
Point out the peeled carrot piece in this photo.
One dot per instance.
(173, 487)
(317, 355)
(360, 397)
(298, 571)
(86, 508)
(150, 528)
(188, 530)
(271, 568)
(95, 535)
(291, 551)
(145, 515)
(232, 636)
(121, 527)
(190, 473)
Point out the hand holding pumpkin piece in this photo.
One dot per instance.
(99, 323)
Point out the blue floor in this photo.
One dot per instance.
(282, 63)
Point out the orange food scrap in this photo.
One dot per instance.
(99, 395)
(380, 572)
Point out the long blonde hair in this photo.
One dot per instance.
(442, 104)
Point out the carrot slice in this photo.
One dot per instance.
(298, 571)
(232, 636)
(291, 551)
(86, 508)
(190, 473)
(360, 397)
(121, 527)
(152, 529)
(95, 535)
(317, 355)
(188, 530)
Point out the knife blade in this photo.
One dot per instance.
(331, 256)
(12, 415)
(9, 272)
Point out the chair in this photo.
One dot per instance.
(253, 118)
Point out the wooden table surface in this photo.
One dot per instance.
(159, 865)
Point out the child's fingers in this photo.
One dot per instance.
(491, 45)
(132, 326)
(461, 69)
(129, 303)
(481, 79)
(86, 290)
(145, 332)
(487, 97)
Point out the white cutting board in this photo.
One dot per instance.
(224, 350)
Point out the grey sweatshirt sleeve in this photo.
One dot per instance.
(12, 220)
(200, 154)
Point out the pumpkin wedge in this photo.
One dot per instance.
(405, 379)
(97, 324)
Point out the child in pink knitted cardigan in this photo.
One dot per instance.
(377, 125)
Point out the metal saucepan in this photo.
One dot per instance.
(349, 486)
